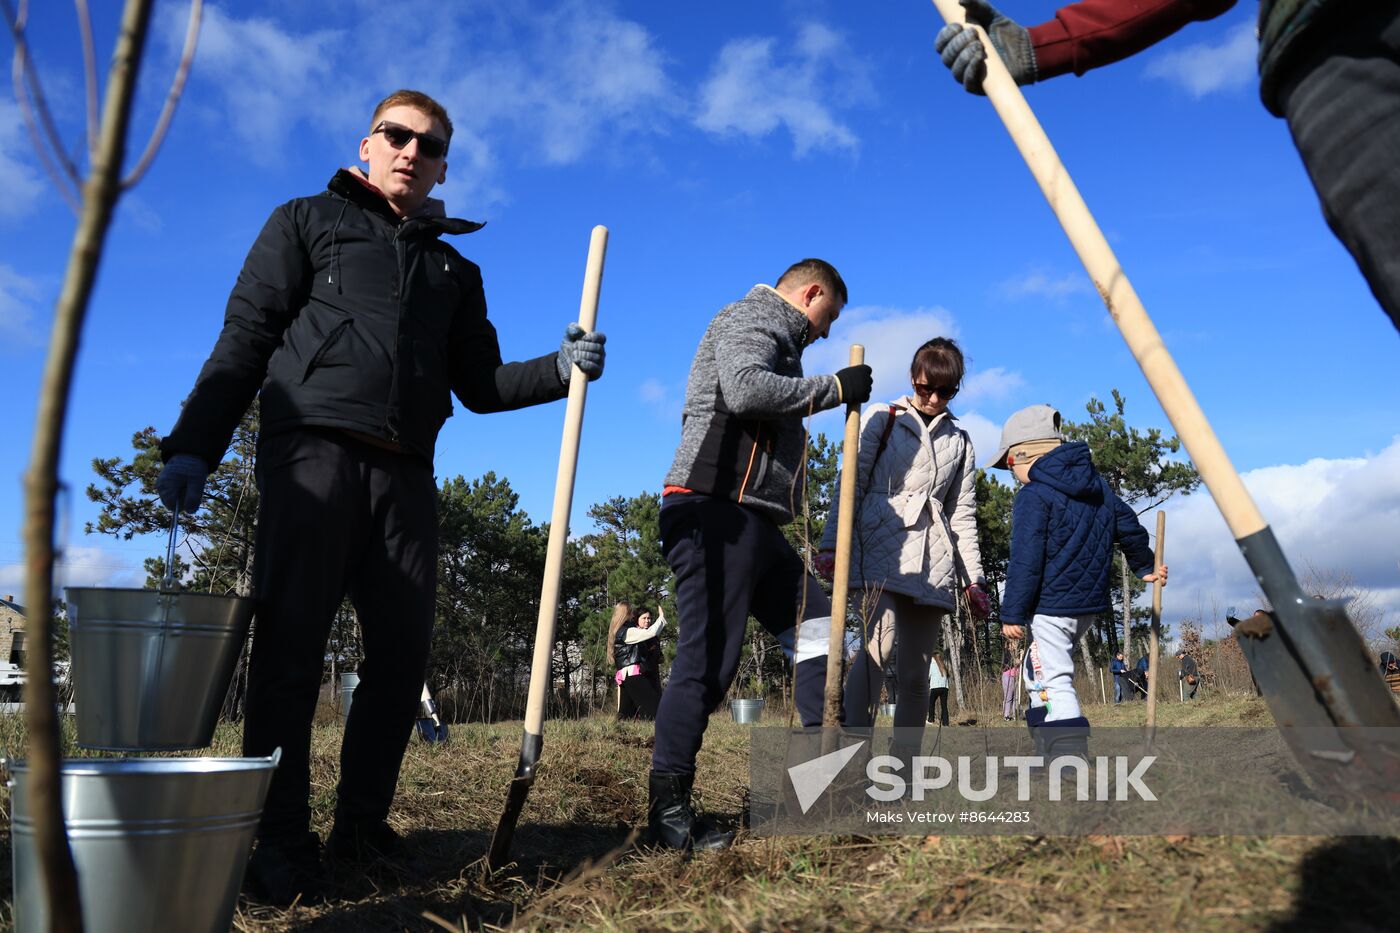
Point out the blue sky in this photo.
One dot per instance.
(719, 143)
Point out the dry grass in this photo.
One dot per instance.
(574, 871)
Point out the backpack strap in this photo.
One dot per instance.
(884, 440)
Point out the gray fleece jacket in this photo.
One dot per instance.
(741, 430)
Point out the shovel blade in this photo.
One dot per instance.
(432, 731)
(1317, 677)
(498, 856)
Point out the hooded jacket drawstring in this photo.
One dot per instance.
(331, 278)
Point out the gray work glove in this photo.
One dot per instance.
(964, 55)
(182, 481)
(584, 349)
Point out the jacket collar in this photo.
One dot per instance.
(352, 185)
(797, 322)
(904, 405)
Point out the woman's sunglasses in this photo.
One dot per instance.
(943, 392)
(429, 146)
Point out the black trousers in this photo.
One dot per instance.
(1342, 101)
(639, 696)
(729, 561)
(338, 516)
(935, 696)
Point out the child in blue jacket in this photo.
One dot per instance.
(1064, 524)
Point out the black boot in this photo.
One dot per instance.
(671, 822)
(286, 869)
(1066, 738)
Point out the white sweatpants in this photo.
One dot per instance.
(1049, 664)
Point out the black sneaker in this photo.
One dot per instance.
(284, 870)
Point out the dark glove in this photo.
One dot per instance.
(583, 349)
(964, 55)
(182, 481)
(856, 382)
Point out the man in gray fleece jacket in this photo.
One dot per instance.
(731, 487)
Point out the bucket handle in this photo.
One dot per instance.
(168, 583)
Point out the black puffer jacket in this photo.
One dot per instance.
(346, 316)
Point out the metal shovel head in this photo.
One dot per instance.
(1314, 671)
(432, 731)
(499, 854)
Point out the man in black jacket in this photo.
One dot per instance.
(1188, 673)
(354, 322)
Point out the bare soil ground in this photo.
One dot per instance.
(575, 869)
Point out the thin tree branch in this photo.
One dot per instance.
(24, 71)
(177, 87)
(20, 66)
(100, 195)
(89, 75)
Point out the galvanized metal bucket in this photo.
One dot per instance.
(159, 843)
(887, 709)
(151, 667)
(348, 683)
(746, 711)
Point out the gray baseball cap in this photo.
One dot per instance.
(1036, 423)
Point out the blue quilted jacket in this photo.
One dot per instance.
(1063, 526)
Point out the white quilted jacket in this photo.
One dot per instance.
(916, 512)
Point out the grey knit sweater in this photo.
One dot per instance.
(741, 431)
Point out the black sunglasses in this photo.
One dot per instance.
(429, 146)
(944, 392)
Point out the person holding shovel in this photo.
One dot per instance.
(731, 487)
(1331, 68)
(354, 322)
(1118, 670)
(914, 550)
(1189, 673)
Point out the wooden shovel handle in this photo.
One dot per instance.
(1219, 475)
(563, 495)
(841, 576)
(1152, 663)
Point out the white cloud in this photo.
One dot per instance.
(1038, 283)
(1331, 515)
(24, 182)
(1206, 67)
(79, 566)
(890, 337)
(551, 85)
(986, 438)
(992, 385)
(566, 79)
(269, 81)
(18, 295)
(760, 84)
(667, 402)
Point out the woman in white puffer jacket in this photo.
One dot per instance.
(915, 542)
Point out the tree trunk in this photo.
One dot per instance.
(100, 194)
(952, 644)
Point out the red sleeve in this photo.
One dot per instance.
(1099, 32)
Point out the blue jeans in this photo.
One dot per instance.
(1117, 688)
